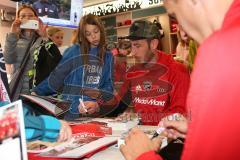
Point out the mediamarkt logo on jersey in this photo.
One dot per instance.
(149, 101)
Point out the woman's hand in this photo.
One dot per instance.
(16, 26)
(65, 133)
(88, 107)
(42, 31)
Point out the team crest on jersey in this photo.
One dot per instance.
(147, 85)
(138, 88)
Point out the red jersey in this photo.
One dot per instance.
(214, 96)
(157, 90)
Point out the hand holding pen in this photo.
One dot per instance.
(173, 129)
(137, 143)
(82, 108)
(88, 107)
(158, 132)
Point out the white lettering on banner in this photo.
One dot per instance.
(120, 6)
(149, 102)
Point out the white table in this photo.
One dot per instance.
(113, 153)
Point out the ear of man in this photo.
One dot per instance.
(154, 44)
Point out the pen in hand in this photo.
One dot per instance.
(158, 132)
(83, 105)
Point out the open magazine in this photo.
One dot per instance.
(79, 147)
(88, 139)
(47, 104)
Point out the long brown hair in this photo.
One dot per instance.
(24, 7)
(85, 45)
(74, 38)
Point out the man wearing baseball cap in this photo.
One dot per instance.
(212, 133)
(156, 85)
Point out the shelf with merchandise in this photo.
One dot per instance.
(124, 26)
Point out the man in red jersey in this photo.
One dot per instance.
(156, 85)
(214, 95)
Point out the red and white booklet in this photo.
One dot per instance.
(88, 139)
(79, 147)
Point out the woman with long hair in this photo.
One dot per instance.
(20, 48)
(84, 75)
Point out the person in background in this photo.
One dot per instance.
(156, 85)
(120, 60)
(214, 95)
(74, 40)
(112, 46)
(124, 47)
(19, 41)
(29, 56)
(186, 49)
(56, 35)
(182, 49)
(86, 65)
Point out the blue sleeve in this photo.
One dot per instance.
(107, 83)
(55, 80)
(3, 103)
(45, 128)
(43, 88)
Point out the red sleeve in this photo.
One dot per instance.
(180, 80)
(150, 155)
